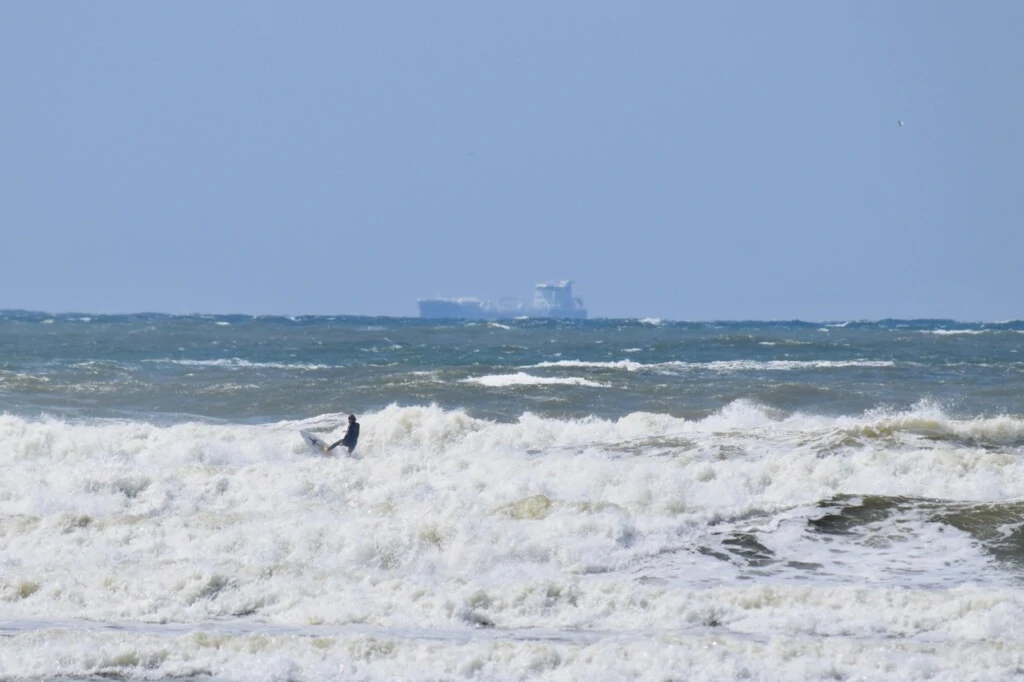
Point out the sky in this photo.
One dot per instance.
(679, 160)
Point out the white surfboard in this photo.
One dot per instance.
(315, 444)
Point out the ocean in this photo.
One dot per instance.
(529, 500)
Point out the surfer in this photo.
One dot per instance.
(351, 436)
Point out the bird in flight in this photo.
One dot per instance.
(900, 122)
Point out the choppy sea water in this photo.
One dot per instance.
(530, 499)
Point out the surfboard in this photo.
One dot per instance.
(314, 443)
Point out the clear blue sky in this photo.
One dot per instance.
(681, 160)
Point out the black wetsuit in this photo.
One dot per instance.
(350, 439)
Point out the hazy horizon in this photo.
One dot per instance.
(591, 318)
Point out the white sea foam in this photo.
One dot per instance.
(717, 365)
(689, 653)
(239, 363)
(785, 365)
(523, 379)
(628, 365)
(955, 332)
(542, 548)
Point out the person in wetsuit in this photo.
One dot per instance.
(351, 436)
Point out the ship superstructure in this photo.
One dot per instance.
(550, 299)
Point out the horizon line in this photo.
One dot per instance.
(646, 319)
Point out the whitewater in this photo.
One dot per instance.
(535, 500)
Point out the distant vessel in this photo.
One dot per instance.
(550, 299)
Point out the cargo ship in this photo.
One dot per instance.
(550, 299)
